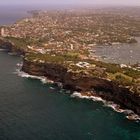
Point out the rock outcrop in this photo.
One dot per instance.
(75, 82)
(10, 47)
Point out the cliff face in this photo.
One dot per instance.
(73, 81)
(10, 47)
(5, 45)
(82, 83)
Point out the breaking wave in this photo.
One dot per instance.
(129, 113)
(78, 94)
(20, 73)
(1, 50)
(12, 53)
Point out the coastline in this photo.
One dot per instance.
(53, 86)
(74, 94)
(113, 92)
(59, 74)
(100, 81)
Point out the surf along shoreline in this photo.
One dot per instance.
(81, 83)
(83, 95)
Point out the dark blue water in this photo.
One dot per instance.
(30, 110)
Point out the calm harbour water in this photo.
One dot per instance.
(121, 53)
(30, 110)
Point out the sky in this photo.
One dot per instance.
(73, 2)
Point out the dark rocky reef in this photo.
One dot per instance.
(82, 83)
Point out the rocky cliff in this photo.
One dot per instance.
(84, 83)
(11, 47)
(76, 82)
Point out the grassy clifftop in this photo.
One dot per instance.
(128, 77)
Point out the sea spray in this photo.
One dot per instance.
(1, 50)
(78, 94)
(129, 113)
(43, 79)
(23, 74)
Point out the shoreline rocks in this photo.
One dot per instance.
(10, 47)
(112, 91)
(70, 80)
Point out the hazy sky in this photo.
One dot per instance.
(76, 2)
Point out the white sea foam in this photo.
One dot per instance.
(12, 53)
(114, 106)
(20, 64)
(78, 94)
(129, 113)
(1, 50)
(52, 88)
(43, 79)
(20, 73)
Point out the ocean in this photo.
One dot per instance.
(33, 110)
